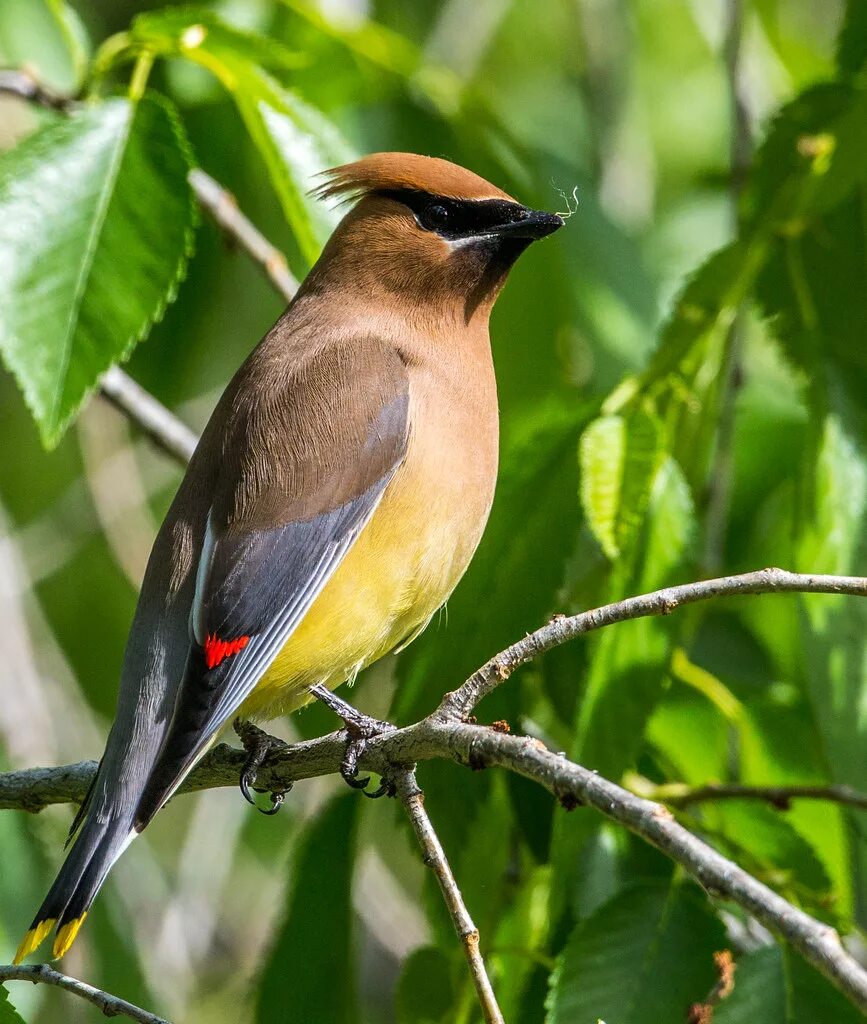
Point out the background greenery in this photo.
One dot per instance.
(645, 441)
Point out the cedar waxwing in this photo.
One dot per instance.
(333, 503)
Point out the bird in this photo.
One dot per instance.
(334, 501)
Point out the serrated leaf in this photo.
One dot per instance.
(619, 457)
(295, 140)
(642, 958)
(773, 986)
(96, 227)
(8, 1013)
(309, 974)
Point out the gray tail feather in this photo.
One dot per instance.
(97, 847)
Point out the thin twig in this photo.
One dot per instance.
(677, 794)
(435, 859)
(111, 1006)
(223, 207)
(460, 702)
(149, 414)
(22, 84)
(444, 734)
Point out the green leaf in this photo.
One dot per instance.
(295, 140)
(315, 940)
(74, 36)
(774, 986)
(47, 37)
(776, 851)
(425, 992)
(96, 227)
(619, 457)
(8, 1013)
(297, 143)
(642, 958)
(198, 33)
(386, 49)
(781, 744)
(630, 659)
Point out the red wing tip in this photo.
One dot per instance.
(217, 650)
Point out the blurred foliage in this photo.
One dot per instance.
(614, 344)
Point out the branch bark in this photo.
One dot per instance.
(434, 856)
(677, 794)
(446, 734)
(111, 1006)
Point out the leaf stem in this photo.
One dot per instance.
(140, 74)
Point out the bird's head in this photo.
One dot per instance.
(424, 230)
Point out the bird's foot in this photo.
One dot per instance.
(359, 729)
(258, 745)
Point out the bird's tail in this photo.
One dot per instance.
(98, 846)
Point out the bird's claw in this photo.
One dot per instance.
(359, 729)
(258, 745)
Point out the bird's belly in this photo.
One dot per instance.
(402, 568)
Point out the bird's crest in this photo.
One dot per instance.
(381, 172)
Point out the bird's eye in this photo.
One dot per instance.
(434, 217)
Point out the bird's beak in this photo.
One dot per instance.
(530, 224)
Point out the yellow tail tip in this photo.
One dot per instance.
(33, 939)
(66, 936)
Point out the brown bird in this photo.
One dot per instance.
(335, 499)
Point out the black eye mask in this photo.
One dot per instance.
(454, 219)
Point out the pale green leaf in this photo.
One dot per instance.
(619, 457)
(74, 36)
(96, 227)
(297, 143)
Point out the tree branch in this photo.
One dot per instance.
(149, 414)
(661, 602)
(678, 794)
(445, 734)
(223, 207)
(435, 858)
(111, 1006)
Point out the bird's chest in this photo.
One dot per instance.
(444, 492)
